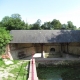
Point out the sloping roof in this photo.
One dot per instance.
(45, 36)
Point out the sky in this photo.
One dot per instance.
(46, 10)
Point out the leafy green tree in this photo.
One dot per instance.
(5, 22)
(56, 24)
(13, 23)
(5, 38)
(16, 16)
(47, 26)
(29, 26)
(70, 25)
(36, 25)
(1, 24)
(64, 26)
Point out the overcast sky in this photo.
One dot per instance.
(46, 10)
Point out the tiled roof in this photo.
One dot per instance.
(45, 36)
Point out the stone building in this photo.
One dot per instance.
(55, 43)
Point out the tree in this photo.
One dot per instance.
(5, 38)
(27, 26)
(1, 24)
(64, 26)
(5, 22)
(78, 28)
(13, 23)
(47, 26)
(56, 24)
(16, 16)
(36, 25)
(70, 25)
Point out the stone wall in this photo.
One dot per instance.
(74, 48)
(27, 51)
(29, 48)
(47, 47)
(56, 61)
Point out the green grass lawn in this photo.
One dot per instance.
(17, 69)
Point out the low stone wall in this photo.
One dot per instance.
(32, 73)
(55, 61)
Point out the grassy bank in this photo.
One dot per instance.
(16, 71)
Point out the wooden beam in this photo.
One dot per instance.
(42, 50)
(67, 48)
(61, 47)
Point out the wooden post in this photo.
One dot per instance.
(67, 47)
(61, 47)
(61, 50)
(42, 50)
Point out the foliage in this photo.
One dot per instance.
(15, 22)
(5, 38)
(47, 26)
(1, 62)
(36, 25)
(64, 26)
(70, 25)
(56, 24)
